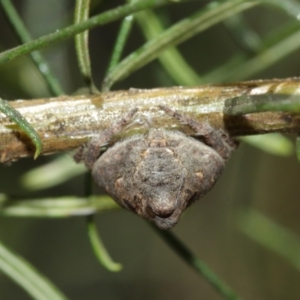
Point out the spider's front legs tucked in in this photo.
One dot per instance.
(219, 140)
(90, 153)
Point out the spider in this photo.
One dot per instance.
(158, 174)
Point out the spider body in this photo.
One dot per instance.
(159, 174)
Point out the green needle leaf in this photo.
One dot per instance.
(199, 266)
(70, 31)
(15, 116)
(176, 34)
(271, 235)
(24, 36)
(26, 276)
(259, 103)
(82, 9)
(120, 42)
(55, 207)
(99, 249)
(273, 143)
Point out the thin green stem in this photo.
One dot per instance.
(274, 47)
(175, 35)
(273, 236)
(24, 36)
(99, 249)
(272, 143)
(82, 8)
(55, 207)
(81, 42)
(246, 38)
(51, 174)
(26, 276)
(120, 42)
(199, 266)
(266, 58)
(70, 31)
(171, 59)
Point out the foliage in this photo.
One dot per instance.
(245, 53)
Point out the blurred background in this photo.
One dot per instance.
(211, 228)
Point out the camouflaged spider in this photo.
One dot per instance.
(158, 174)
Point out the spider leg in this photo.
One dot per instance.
(90, 153)
(217, 139)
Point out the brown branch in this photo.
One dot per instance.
(63, 123)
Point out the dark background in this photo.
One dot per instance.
(60, 249)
